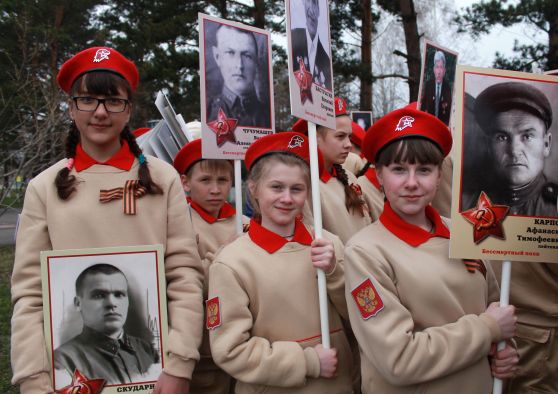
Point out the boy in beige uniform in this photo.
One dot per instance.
(263, 311)
(534, 292)
(76, 213)
(208, 183)
(421, 319)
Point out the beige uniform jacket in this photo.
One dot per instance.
(420, 323)
(49, 223)
(269, 315)
(442, 199)
(211, 234)
(335, 217)
(354, 163)
(371, 192)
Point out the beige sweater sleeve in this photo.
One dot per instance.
(336, 279)
(184, 275)
(248, 358)
(29, 358)
(401, 354)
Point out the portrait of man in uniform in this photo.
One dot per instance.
(237, 75)
(516, 121)
(104, 349)
(436, 97)
(307, 46)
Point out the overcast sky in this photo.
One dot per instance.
(501, 39)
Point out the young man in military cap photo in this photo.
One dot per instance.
(516, 118)
(236, 55)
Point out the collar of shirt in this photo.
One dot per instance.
(272, 242)
(326, 175)
(226, 211)
(312, 49)
(409, 233)
(520, 195)
(232, 99)
(105, 343)
(370, 174)
(123, 159)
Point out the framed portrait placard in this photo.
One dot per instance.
(437, 81)
(105, 317)
(505, 193)
(363, 118)
(236, 86)
(310, 65)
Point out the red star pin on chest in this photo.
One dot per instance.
(304, 80)
(486, 219)
(223, 128)
(82, 385)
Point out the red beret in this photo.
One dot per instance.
(340, 107)
(141, 131)
(357, 135)
(405, 123)
(286, 142)
(189, 155)
(413, 105)
(301, 125)
(97, 59)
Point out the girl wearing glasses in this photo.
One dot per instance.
(78, 203)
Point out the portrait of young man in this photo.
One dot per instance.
(104, 349)
(234, 87)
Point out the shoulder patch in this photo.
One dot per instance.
(213, 313)
(367, 299)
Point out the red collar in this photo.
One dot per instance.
(326, 175)
(370, 174)
(411, 234)
(227, 210)
(272, 242)
(123, 159)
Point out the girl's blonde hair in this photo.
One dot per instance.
(261, 168)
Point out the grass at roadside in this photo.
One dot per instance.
(6, 263)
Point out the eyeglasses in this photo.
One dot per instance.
(90, 104)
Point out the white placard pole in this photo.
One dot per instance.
(317, 210)
(504, 301)
(238, 195)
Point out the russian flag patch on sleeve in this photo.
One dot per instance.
(213, 313)
(367, 299)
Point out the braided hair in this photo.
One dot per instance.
(101, 83)
(353, 200)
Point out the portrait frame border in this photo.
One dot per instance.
(46, 279)
(515, 246)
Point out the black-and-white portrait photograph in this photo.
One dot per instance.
(237, 74)
(362, 118)
(310, 40)
(107, 316)
(509, 144)
(437, 81)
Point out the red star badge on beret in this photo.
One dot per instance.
(486, 219)
(82, 385)
(223, 127)
(304, 80)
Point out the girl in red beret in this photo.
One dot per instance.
(105, 193)
(207, 183)
(262, 311)
(344, 211)
(424, 322)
